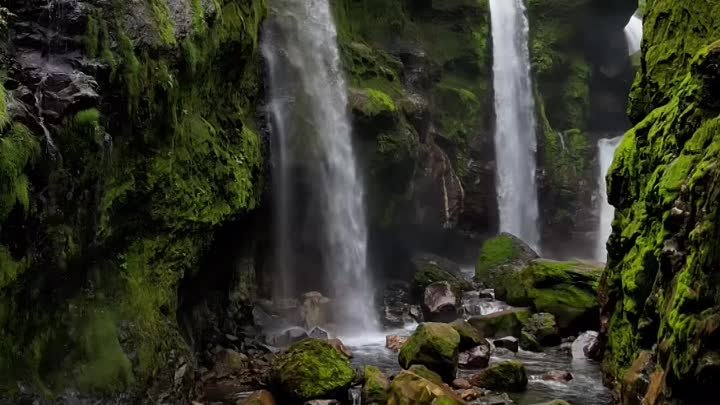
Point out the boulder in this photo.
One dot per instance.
(469, 336)
(440, 304)
(431, 269)
(529, 343)
(319, 333)
(315, 310)
(557, 376)
(395, 342)
(261, 397)
(506, 376)
(434, 345)
(543, 328)
(375, 389)
(503, 323)
(409, 388)
(510, 343)
(461, 384)
(585, 346)
(287, 337)
(477, 357)
(567, 290)
(426, 373)
(500, 255)
(397, 310)
(311, 369)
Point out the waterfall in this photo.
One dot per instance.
(310, 127)
(634, 34)
(515, 143)
(606, 154)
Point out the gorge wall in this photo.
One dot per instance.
(661, 302)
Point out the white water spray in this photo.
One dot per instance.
(634, 34)
(515, 142)
(308, 107)
(606, 154)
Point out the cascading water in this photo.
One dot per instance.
(634, 34)
(515, 142)
(308, 107)
(606, 154)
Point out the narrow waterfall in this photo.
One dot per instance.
(515, 142)
(310, 127)
(606, 154)
(634, 34)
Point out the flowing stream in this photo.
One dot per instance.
(606, 153)
(308, 107)
(515, 142)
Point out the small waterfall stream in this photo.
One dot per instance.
(634, 34)
(606, 153)
(308, 108)
(515, 141)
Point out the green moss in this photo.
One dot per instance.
(311, 369)
(19, 149)
(163, 23)
(10, 269)
(431, 273)
(435, 346)
(496, 252)
(376, 386)
(372, 103)
(503, 376)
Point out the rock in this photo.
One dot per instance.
(376, 386)
(555, 402)
(506, 376)
(229, 362)
(558, 376)
(338, 345)
(503, 323)
(434, 345)
(502, 254)
(261, 397)
(395, 342)
(461, 383)
(287, 337)
(319, 333)
(469, 336)
(567, 290)
(315, 309)
(543, 328)
(396, 305)
(510, 343)
(311, 369)
(529, 343)
(636, 381)
(262, 318)
(431, 269)
(440, 304)
(426, 373)
(585, 345)
(477, 357)
(323, 402)
(409, 388)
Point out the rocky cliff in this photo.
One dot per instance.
(661, 303)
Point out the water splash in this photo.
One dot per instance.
(606, 154)
(515, 141)
(308, 108)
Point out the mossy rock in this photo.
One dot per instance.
(543, 328)
(408, 388)
(469, 336)
(435, 346)
(501, 255)
(529, 342)
(429, 271)
(505, 376)
(426, 373)
(375, 389)
(311, 369)
(501, 324)
(567, 290)
(371, 103)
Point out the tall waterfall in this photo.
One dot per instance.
(606, 154)
(634, 34)
(515, 143)
(310, 127)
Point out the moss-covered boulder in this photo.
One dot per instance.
(431, 269)
(426, 373)
(529, 342)
(375, 389)
(498, 256)
(501, 324)
(567, 290)
(543, 328)
(311, 369)
(469, 336)
(505, 376)
(434, 345)
(409, 388)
